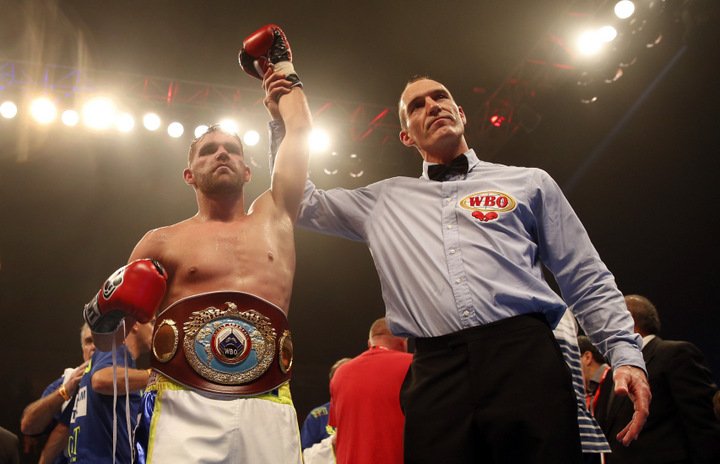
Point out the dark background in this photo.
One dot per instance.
(640, 165)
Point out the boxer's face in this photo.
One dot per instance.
(217, 164)
(429, 115)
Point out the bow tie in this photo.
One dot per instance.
(443, 172)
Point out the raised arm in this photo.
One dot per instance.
(266, 55)
(291, 164)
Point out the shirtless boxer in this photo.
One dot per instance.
(222, 351)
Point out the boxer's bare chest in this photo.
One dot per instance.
(251, 255)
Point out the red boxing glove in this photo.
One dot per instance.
(264, 46)
(136, 290)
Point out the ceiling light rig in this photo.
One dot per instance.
(585, 51)
(72, 99)
(623, 37)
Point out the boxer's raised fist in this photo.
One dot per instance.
(268, 45)
(136, 290)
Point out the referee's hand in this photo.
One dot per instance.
(632, 381)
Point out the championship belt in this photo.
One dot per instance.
(223, 342)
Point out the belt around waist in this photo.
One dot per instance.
(223, 342)
(499, 328)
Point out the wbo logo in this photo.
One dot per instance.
(488, 205)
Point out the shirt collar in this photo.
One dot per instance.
(473, 161)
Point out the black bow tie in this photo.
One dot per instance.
(443, 172)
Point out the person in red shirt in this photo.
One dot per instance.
(365, 401)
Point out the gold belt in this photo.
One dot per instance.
(223, 342)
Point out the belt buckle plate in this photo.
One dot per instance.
(228, 346)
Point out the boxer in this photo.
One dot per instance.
(222, 281)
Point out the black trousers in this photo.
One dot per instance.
(498, 393)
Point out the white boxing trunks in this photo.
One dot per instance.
(179, 425)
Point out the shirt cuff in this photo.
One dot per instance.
(626, 356)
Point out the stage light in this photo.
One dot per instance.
(497, 120)
(624, 9)
(587, 88)
(332, 164)
(653, 42)
(151, 121)
(319, 141)
(98, 113)
(8, 110)
(230, 126)
(43, 110)
(607, 33)
(124, 122)
(355, 166)
(175, 130)
(612, 74)
(200, 130)
(251, 138)
(589, 43)
(70, 118)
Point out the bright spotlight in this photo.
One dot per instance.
(589, 43)
(43, 110)
(251, 138)
(70, 118)
(151, 121)
(607, 33)
(229, 126)
(200, 130)
(125, 122)
(319, 140)
(624, 9)
(175, 129)
(99, 113)
(8, 110)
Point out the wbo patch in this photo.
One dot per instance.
(488, 205)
